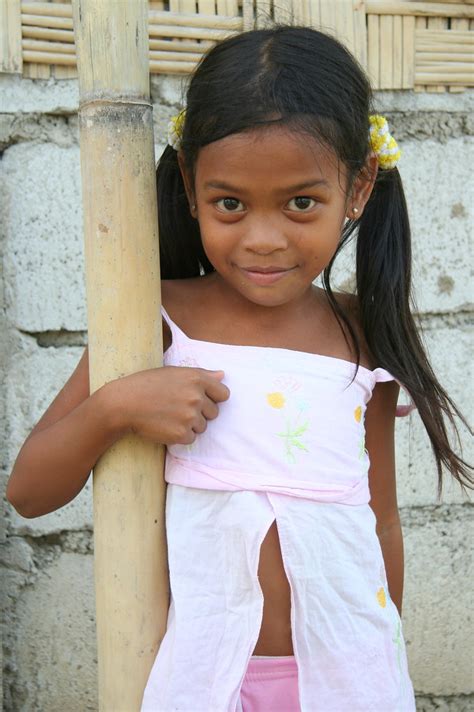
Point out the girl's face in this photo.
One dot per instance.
(271, 206)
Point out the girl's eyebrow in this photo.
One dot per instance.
(222, 185)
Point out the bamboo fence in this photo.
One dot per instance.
(425, 46)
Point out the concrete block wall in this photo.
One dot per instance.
(48, 602)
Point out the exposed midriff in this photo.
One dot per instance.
(275, 632)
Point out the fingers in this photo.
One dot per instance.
(209, 409)
(215, 392)
(200, 425)
(214, 389)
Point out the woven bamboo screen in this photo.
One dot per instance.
(403, 44)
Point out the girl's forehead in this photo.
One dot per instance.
(272, 151)
(267, 137)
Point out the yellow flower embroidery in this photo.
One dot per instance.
(381, 597)
(276, 400)
(358, 413)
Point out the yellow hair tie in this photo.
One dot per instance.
(383, 144)
(175, 130)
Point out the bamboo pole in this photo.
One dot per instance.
(49, 47)
(56, 53)
(60, 15)
(408, 59)
(214, 28)
(184, 32)
(447, 38)
(48, 41)
(436, 23)
(422, 9)
(47, 33)
(373, 49)
(386, 52)
(460, 24)
(179, 45)
(10, 37)
(123, 303)
(61, 72)
(421, 77)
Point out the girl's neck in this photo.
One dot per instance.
(237, 307)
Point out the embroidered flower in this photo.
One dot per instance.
(276, 400)
(381, 598)
(358, 417)
(294, 408)
(399, 644)
(362, 450)
(287, 383)
(189, 362)
(303, 405)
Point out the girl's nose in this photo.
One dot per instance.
(264, 236)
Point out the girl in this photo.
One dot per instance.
(277, 399)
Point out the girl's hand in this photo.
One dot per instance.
(168, 405)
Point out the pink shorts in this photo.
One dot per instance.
(270, 685)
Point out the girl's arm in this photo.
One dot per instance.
(380, 444)
(55, 460)
(165, 405)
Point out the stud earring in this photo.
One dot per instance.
(355, 211)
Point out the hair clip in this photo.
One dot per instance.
(175, 130)
(383, 144)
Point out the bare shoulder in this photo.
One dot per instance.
(177, 297)
(349, 303)
(176, 293)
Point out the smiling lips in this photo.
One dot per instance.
(265, 275)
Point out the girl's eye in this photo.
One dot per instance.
(229, 205)
(302, 203)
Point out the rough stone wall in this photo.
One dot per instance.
(49, 637)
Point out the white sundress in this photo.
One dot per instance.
(288, 446)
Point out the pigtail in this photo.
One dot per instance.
(181, 251)
(384, 294)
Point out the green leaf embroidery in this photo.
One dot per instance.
(302, 429)
(299, 445)
(291, 439)
(291, 434)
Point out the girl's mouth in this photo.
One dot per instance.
(265, 275)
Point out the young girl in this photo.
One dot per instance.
(278, 398)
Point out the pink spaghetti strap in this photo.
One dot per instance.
(167, 317)
(174, 328)
(382, 376)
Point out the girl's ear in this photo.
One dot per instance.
(188, 184)
(362, 188)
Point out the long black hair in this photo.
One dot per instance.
(302, 78)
